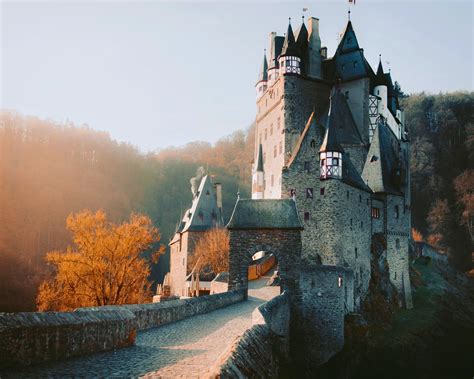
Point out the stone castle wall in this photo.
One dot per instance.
(317, 331)
(398, 236)
(339, 223)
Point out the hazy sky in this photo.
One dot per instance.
(165, 73)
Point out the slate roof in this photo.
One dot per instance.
(347, 131)
(289, 45)
(265, 214)
(302, 39)
(380, 78)
(331, 141)
(276, 45)
(350, 175)
(348, 41)
(381, 163)
(310, 124)
(263, 76)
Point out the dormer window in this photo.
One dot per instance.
(331, 165)
(290, 65)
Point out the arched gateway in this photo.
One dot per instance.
(271, 225)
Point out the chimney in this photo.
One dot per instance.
(314, 45)
(218, 187)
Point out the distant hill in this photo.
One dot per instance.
(48, 170)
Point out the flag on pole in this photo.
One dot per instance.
(305, 9)
(352, 1)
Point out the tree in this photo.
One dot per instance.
(464, 185)
(211, 252)
(104, 267)
(439, 223)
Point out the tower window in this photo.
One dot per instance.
(375, 213)
(360, 198)
(271, 129)
(347, 194)
(274, 151)
(306, 166)
(397, 211)
(306, 216)
(355, 250)
(351, 223)
(362, 225)
(278, 122)
(346, 94)
(281, 148)
(313, 143)
(397, 243)
(321, 191)
(367, 201)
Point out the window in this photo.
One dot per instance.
(335, 161)
(395, 276)
(360, 198)
(351, 223)
(347, 194)
(346, 94)
(321, 191)
(397, 211)
(306, 216)
(339, 281)
(362, 225)
(306, 166)
(355, 251)
(397, 243)
(278, 122)
(271, 129)
(183, 261)
(207, 193)
(313, 143)
(375, 213)
(281, 147)
(274, 151)
(292, 192)
(367, 201)
(309, 193)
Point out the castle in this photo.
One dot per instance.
(330, 135)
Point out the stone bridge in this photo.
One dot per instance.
(186, 348)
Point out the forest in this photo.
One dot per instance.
(50, 170)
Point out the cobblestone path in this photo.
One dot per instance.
(184, 349)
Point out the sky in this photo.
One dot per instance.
(157, 74)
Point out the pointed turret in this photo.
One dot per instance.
(290, 57)
(380, 79)
(380, 88)
(262, 81)
(330, 153)
(302, 40)
(258, 176)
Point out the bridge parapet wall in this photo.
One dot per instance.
(261, 350)
(151, 315)
(33, 337)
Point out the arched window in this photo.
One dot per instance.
(312, 143)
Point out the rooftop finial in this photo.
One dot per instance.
(302, 18)
(289, 20)
(380, 57)
(349, 14)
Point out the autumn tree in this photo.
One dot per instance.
(438, 220)
(211, 252)
(105, 266)
(464, 185)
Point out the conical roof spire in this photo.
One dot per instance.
(260, 159)
(289, 45)
(302, 40)
(330, 141)
(380, 77)
(263, 76)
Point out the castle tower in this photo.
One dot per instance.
(290, 57)
(262, 80)
(258, 176)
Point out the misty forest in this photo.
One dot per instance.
(49, 171)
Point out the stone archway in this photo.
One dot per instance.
(269, 225)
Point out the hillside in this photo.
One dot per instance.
(48, 170)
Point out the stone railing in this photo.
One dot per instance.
(260, 351)
(33, 337)
(151, 315)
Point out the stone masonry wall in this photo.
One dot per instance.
(339, 223)
(284, 244)
(317, 331)
(398, 236)
(34, 337)
(151, 315)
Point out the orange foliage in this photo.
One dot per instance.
(416, 235)
(105, 267)
(211, 253)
